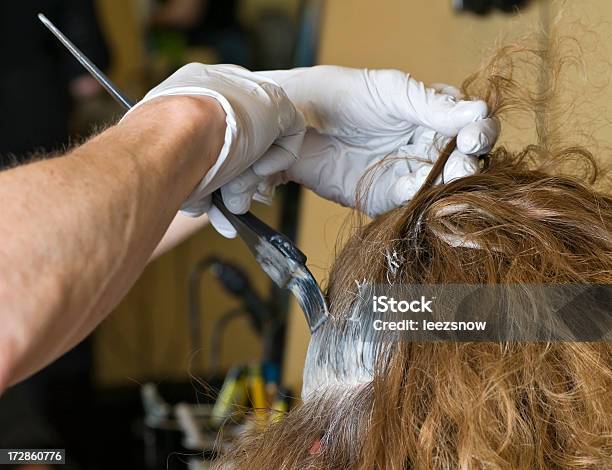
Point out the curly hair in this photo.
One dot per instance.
(529, 216)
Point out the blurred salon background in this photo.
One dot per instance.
(203, 317)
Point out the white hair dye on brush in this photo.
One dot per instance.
(342, 352)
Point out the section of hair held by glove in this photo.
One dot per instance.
(533, 215)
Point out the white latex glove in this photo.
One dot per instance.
(263, 135)
(357, 117)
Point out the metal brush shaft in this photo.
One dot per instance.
(88, 64)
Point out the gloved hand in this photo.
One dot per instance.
(357, 117)
(263, 135)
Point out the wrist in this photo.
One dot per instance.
(190, 130)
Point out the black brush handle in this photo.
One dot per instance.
(258, 227)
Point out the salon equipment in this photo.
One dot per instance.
(235, 282)
(156, 409)
(247, 387)
(257, 389)
(184, 433)
(284, 263)
(232, 397)
(264, 315)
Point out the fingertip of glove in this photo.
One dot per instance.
(478, 137)
(226, 232)
(221, 224)
(452, 115)
(459, 165)
(238, 203)
(231, 234)
(472, 142)
(470, 111)
(238, 193)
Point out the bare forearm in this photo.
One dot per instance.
(181, 228)
(77, 230)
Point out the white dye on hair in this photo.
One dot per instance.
(343, 352)
(394, 262)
